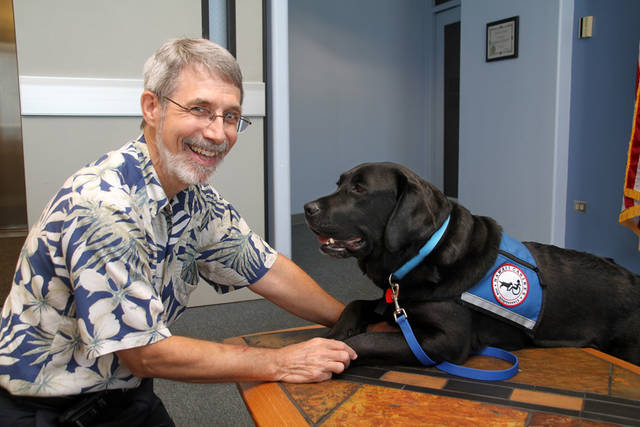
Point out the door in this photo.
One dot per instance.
(446, 101)
(13, 199)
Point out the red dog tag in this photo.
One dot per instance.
(388, 296)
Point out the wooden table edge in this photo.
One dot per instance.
(269, 405)
(267, 402)
(613, 360)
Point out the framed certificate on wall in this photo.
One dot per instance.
(502, 39)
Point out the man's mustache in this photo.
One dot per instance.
(207, 144)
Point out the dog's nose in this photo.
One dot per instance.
(311, 208)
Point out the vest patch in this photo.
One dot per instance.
(510, 285)
(511, 289)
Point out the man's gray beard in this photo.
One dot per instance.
(182, 166)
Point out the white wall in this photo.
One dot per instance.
(74, 38)
(111, 40)
(511, 144)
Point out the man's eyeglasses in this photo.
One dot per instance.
(240, 123)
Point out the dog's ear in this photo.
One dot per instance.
(419, 210)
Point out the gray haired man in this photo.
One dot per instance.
(112, 261)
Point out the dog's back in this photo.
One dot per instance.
(596, 302)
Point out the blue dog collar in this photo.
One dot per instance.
(424, 251)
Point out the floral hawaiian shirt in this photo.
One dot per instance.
(110, 266)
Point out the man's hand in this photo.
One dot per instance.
(314, 360)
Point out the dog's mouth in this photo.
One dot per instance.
(340, 248)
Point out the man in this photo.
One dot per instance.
(112, 261)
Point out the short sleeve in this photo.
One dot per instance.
(231, 255)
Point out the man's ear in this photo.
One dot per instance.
(151, 108)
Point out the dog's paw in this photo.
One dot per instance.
(341, 333)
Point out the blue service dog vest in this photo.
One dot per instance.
(511, 289)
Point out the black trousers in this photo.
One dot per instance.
(112, 408)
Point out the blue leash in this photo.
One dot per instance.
(400, 317)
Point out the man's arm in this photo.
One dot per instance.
(193, 360)
(289, 287)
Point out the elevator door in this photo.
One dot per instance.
(13, 205)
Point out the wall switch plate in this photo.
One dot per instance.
(586, 27)
(580, 206)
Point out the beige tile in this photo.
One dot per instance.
(547, 399)
(414, 379)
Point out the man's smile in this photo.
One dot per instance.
(208, 154)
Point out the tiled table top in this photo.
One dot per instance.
(554, 386)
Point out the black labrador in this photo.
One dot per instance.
(383, 213)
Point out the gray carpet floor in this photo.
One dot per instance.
(221, 404)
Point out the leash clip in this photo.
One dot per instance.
(395, 290)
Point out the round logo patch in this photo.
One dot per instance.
(510, 285)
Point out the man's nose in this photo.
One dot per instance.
(215, 130)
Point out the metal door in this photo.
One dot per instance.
(13, 205)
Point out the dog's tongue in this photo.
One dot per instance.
(323, 240)
(349, 243)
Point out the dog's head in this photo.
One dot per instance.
(377, 207)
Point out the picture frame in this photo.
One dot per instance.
(502, 39)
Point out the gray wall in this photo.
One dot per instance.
(536, 132)
(357, 89)
(361, 91)
(509, 118)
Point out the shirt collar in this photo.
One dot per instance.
(157, 197)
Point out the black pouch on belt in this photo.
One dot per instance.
(84, 412)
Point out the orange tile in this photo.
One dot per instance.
(318, 399)
(414, 379)
(547, 399)
(625, 383)
(383, 406)
(551, 420)
(564, 369)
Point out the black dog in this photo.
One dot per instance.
(383, 213)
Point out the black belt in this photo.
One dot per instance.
(115, 397)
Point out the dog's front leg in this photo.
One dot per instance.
(440, 337)
(354, 320)
(382, 348)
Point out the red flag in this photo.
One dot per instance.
(630, 215)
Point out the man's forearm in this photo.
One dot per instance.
(188, 359)
(192, 360)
